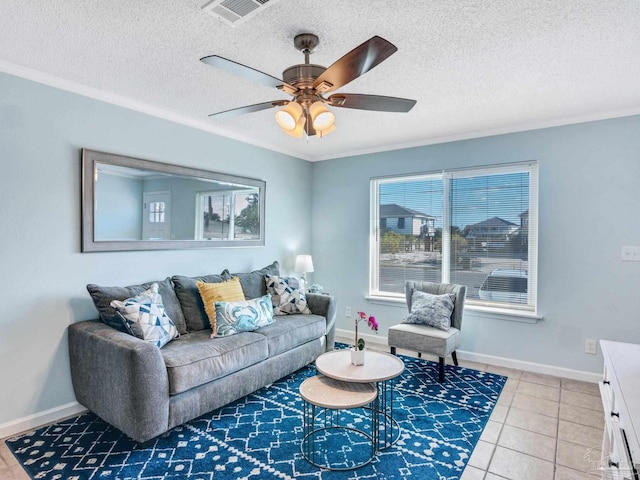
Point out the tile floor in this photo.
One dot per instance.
(543, 428)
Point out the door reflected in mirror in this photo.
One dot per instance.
(135, 204)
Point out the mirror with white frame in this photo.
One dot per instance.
(135, 204)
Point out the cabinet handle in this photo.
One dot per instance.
(613, 464)
(615, 414)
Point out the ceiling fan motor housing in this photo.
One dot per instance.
(302, 76)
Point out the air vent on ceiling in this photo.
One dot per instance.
(234, 12)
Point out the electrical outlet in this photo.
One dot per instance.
(590, 346)
(347, 312)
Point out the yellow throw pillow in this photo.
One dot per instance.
(229, 291)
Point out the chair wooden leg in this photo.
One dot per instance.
(441, 370)
(393, 350)
(455, 358)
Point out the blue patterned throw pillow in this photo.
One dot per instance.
(431, 310)
(144, 317)
(244, 315)
(288, 295)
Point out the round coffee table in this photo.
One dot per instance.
(380, 368)
(327, 445)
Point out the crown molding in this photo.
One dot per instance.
(130, 104)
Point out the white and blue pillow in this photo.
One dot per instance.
(431, 310)
(244, 315)
(144, 317)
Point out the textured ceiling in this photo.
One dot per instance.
(475, 67)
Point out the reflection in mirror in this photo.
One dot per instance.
(134, 204)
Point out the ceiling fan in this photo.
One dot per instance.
(308, 84)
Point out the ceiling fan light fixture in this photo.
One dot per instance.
(323, 133)
(321, 117)
(289, 117)
(298, 130)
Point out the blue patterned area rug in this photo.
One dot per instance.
(259, 436)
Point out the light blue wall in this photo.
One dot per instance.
(42, 130)
(589, 178)
(118, 215)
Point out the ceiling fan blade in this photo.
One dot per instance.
(355, 63)
(249, 108)
(371, 102)
(244, 71)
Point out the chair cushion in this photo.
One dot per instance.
(424, 339)
(431, 310)
(195, 359)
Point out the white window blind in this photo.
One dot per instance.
(476, 227)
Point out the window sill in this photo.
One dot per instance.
(476, 310)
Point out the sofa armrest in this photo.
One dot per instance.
(120, 378)
(325, 305)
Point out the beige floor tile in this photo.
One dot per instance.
(541, 379)
(580, 399)
(507, 372)
(578, 386)
(534, 422)
(506, 397)
(499, 413)
(7, 456)
(580, 434)
(491, 432)
(519, 466)
(535, 404)
(540, 391)
(531, 443)
(472, 473)
(493, 476)
(481, 455)
(577, 457)
(565, 473)
(583, 416)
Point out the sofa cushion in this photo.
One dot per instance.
(227, 291)
(195, 359)
(244, 315)
(103, 296)
(145, 317)
(253, 284)
(291, 331)
(288, 295)
(190, 300)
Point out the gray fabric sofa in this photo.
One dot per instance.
(145, 391)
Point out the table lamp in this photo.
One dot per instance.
(304, 265)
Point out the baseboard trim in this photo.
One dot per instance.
(41, 418)
(381, 342)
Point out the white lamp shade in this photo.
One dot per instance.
(304, 263)
(289, 116)
(321, 117)
(299, 130)
(323, 133)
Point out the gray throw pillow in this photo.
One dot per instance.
(186, 289)
(253, 284)
(431, 310)
(102, 297)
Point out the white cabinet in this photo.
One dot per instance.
(620, 391)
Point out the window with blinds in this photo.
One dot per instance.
(476, 227)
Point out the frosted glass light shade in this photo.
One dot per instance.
(321, 117)
(289, 116)
(299, 130)
(304, 264)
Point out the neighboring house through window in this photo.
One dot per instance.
(476, 227)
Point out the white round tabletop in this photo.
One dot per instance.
(330, 393)
(378, 366)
